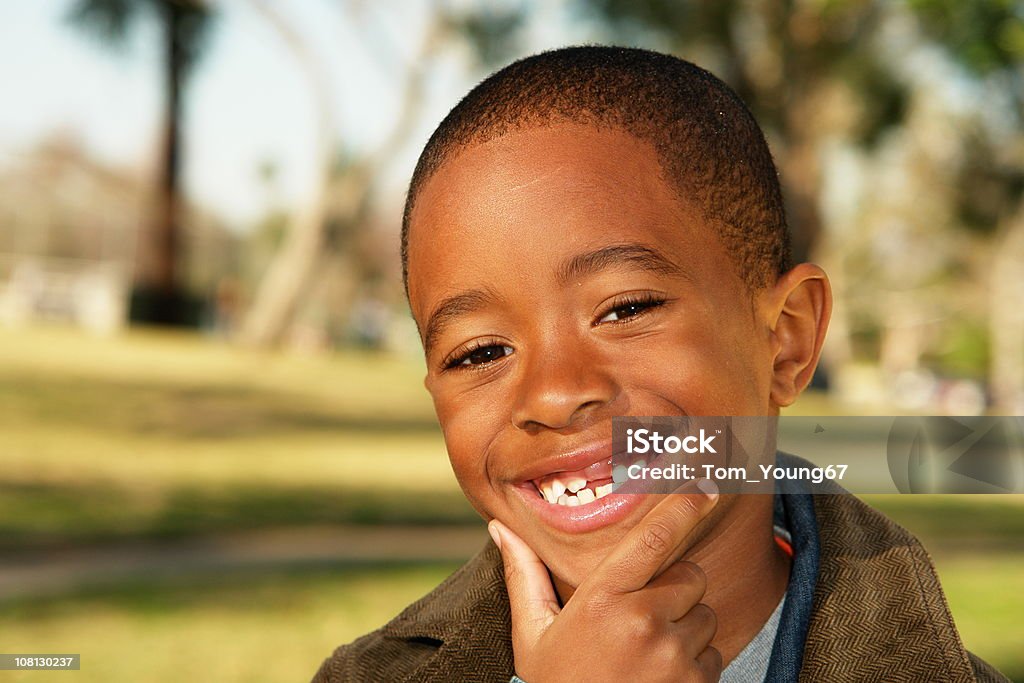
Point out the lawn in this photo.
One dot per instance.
(153, 437)
(278, 626)
(260, 628)
(156, 436)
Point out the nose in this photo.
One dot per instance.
(560, 385)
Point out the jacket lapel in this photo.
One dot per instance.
(879, 612)
(468, 617)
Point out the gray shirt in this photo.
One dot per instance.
(751, 664)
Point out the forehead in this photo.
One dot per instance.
(518, 204)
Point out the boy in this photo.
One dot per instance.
(596, 232)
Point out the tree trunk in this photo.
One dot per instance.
(281, 290)
(158, 296)
(167, 227)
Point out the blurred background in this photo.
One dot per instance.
(217, 459)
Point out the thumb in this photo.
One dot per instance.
(530, 593)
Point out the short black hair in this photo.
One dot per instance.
(706, 139)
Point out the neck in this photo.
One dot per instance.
(747, 572)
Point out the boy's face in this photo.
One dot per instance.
(559, 281)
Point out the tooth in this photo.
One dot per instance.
(602, 491)
(557, 488)
(575, 485)
(586, 496)
(546, 490)
(563, 499)
(573, 501)
(619, 474)
(642, 463)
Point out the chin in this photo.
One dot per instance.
(572, 562)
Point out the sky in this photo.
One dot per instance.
(248, 103)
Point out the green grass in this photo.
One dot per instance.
(154, 436)
(157, 435)
(46, 515)
(235, 627)
(278, 627)
(949, 523)
(986, 597)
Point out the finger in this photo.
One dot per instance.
(659, 540)
(698, 629)
(710, 663)
(675, 591)
(530, 593)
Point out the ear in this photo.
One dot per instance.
(798, 308)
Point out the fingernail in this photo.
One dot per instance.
(492, 529)
(708, 487)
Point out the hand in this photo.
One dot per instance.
(637, 617)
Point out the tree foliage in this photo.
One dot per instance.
(111, 22)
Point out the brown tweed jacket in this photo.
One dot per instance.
(879, 615)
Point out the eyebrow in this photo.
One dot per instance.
(632, 254)
(450, 308)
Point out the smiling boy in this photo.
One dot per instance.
(596, 232)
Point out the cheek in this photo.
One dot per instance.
(468, 432)
(701, 369)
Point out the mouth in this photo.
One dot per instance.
(572, 491)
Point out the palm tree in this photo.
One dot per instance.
(159, 295)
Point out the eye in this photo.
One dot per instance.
(479, 355)
(630, 308)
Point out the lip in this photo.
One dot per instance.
(591, 458)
